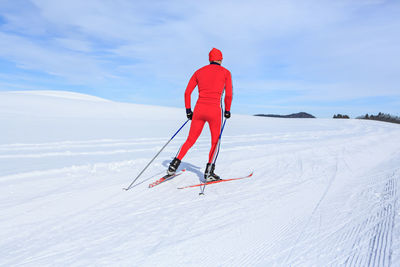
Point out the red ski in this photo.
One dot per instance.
(166, 178)
(215, 182)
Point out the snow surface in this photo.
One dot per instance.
(324, 192)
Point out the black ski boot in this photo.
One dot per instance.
(173, 166)
(209, 174)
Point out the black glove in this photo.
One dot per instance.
(189, 113)
(227, 114)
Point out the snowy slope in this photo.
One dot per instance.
(324, 192)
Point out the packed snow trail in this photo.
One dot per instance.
(324, 192)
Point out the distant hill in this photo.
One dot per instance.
(302, 115)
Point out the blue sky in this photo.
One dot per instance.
(321, 57)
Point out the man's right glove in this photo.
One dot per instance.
(227, 114)
(189, 113)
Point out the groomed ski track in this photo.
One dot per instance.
(324, 192)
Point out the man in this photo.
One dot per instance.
(211, 81)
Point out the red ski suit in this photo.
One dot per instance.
(211, 81)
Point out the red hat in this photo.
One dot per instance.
(215, 55)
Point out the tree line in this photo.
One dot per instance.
(340, 116)
(381, 117)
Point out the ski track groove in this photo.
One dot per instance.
(378, 248)
(202, 144)
(377, 229)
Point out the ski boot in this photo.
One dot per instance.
(173, 166)
(209, 174)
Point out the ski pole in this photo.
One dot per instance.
(219, 141)
(216, 156)
(129, 187)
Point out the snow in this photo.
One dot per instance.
(59, 94)
(323, 193)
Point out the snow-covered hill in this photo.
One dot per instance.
(324, 192)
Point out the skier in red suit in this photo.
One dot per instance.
(211, 80)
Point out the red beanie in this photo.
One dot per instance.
(215, 55)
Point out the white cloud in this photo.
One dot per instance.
(27, 54)
(73, 44)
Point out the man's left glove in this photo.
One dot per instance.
(189, 113)
(227, 114)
